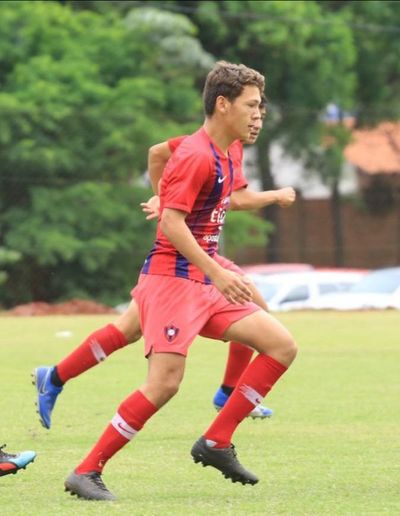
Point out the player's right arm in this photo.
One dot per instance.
(231, 285)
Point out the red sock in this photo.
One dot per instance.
(132, 414)
(253, 385)
(238, 359)
(93, 350)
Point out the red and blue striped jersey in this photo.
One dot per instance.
(235, 152)
(198, 179)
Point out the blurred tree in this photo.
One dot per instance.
(86, 239)
(307, 55)
(376, 32)
(244, 229)
(7, 257)
(82, 97)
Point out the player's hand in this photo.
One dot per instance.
(151, 207)
(233, 286)
(286, 197)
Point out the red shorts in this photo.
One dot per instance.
(173, 311)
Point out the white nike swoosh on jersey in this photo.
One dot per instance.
(221, 179)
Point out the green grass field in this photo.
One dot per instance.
(331, 448)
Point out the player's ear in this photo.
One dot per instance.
(221, 104)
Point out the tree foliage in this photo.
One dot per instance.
(83, 95)
(87, 86)
(244, 229)
(86, 238)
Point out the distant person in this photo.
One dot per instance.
(10, 463)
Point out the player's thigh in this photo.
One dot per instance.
(257, 297)
(129, 324)
(165, 368)
(172, 312)
(265, 334)
(165, 374)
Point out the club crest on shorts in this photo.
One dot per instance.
(170, 332)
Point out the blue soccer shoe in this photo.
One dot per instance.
(258, 412)
(47, 394)
(10, 463)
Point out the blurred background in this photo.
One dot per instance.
(86, 87)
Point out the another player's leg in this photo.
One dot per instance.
(239, 357)
(276, 352)
(10, 463)
(165, 374)
(49, 380)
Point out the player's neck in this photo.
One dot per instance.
(218, 134)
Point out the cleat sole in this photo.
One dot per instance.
(234, 479)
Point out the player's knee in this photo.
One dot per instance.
(133, 336)
(170, 387)
(288, 349)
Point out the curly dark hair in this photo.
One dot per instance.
(229, 80)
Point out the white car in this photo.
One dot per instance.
(378, 290)
(300, 291)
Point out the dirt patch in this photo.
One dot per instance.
(73, 307)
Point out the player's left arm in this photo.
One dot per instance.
(246, 199)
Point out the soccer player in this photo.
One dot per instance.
(193, 293)
(239, 356)
(126, 329)
(10, 463)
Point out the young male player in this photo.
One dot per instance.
(126, 329)
(10, 463)
(239, 356)
(193, 293)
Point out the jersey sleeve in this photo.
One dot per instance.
(239, 181)
(173, 143)
(185, 176)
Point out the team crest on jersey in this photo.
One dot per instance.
(170, 332)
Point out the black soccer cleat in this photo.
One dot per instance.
(89, 486)
(223, 459)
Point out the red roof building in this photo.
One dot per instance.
(376, 151)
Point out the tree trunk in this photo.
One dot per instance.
(337, 230)
(270, 213)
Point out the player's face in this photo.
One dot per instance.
(256, 128)
(244, 112)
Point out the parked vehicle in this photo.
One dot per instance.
(276, 268)
(298, 291)
(379, 289)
